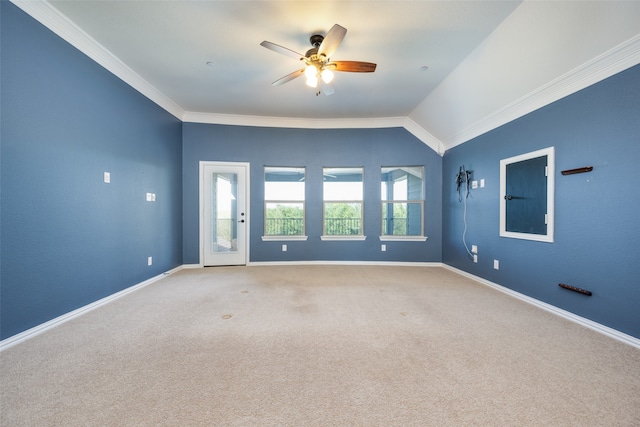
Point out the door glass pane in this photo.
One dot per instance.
(224, 227)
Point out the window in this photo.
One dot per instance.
(342, 196)
(402, 195)
(284, 201)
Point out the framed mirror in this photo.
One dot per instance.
(527, 188)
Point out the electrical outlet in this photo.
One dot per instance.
(474, 184)
(482, 183)
(150, 260)
(496, 264)
(474, 249)
(383, 248)
(475, 258)
(284, 248)
(107, 177)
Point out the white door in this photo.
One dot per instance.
(224, 207)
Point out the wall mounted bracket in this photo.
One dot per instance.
(577, 170)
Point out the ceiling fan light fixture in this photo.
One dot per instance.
(312, 81)
(327, 76)
(310, 71)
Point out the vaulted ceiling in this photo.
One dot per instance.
(446, 70)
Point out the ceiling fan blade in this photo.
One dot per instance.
(327, 88)
(288, 77)
(352, 66)
(332, 40)
(283, 50)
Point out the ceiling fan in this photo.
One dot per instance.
(318, 67)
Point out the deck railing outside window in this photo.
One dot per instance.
(284, 226)
(343, 226)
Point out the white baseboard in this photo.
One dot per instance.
(391, 263)
(192, 266)
(30, 333)
(605, 330)
(43, 327)
(610, 332)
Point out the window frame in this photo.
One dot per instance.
(285, 237)
(408, 201)
(361, 202)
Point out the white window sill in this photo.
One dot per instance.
(283, 238)
(403, 238)
(343, 237)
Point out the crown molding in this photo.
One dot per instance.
(609, 63)
(43, 12)
(305, 123)
(292, 122)
(613, 61)
(424, 135)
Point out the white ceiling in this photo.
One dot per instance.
(488, 61)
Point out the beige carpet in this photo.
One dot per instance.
(319, 346)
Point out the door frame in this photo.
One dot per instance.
(550, 206)
(201, 204)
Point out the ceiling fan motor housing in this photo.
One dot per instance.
(316, 40)
(311, 52)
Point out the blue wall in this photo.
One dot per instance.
(597, 223)
(315, 149)
(69, 239)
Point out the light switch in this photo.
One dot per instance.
(107, 177)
